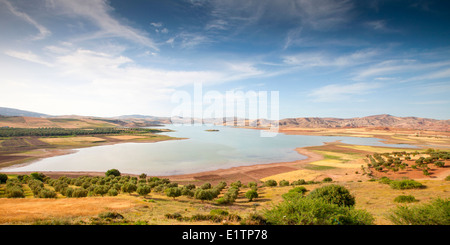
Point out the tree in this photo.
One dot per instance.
(203, 195)
(113, 172)
(143, 190)
(129, 187)
(3, 178)
(173, 192)
(251, 194)
(335, 194)
(315, 211)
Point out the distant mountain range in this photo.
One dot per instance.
(383, 120)
(378, 121)
(10, 112)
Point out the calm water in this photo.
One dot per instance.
(202, 151)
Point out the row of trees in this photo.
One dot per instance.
(43, 132)
(396, 161)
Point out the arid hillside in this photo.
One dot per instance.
(384, 120)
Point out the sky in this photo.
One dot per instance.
(325, 58)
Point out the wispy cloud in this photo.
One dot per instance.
(339, 92)
(43, 31)
(98, 12)
(323, 59)
(27, 56)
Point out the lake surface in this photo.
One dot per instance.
(202, 151)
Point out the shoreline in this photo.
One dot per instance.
(243, 173)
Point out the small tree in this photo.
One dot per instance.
(251, 194)
(3, 178)
(203, 195)
(143, 190)
(113, 172)
(173, 192)
(334, 194)
(270, 182)
(129, 187)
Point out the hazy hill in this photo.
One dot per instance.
(4, 111)
(369, 121)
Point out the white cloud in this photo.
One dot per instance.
(28, 56)
(43, 31)
(322, 59)
(339, 92)
(98, 12)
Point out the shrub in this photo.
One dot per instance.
(143, 190)
(79, 192)
(296, 192)
(447, 178)
(251, 194)
(37, 176)
(112, 192)
(205, 186)
(334, 194)
(270, 183)
(299, 182)
(440, 164)
(46, 193)
(100, 190)
(405, 184)
(110, 215)
(327, 179)
(203, 195)
(283, 183)
(112, 172)
(437, 212)
(315, 211)
(14, 192)
(405, 199)
(173, 192)
(384, 180)
(129, 187)
(3, 178)
(218, 212)
(176, 216)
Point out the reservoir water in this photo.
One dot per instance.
(201, 151)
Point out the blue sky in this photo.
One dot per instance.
(327, 58)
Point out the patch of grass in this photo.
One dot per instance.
(317, 167)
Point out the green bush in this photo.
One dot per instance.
(405, 199)
(3, 178)
(327, 179)
(437, 212)
(335, 194)
(218, 212)
(283, 183)
(46, 193)
(405, 184)
(79, 192)
(203, 195)
(447, 178)
(299, 182)
(296, 192)
(251, 194)
(173, 192)
(384, 180)
(206, 186)
(270, 183)
(315, 211)
(14, 192)
(143, 190)
(112, 172)
(38, 176)
(129, 187)
(112, 192)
